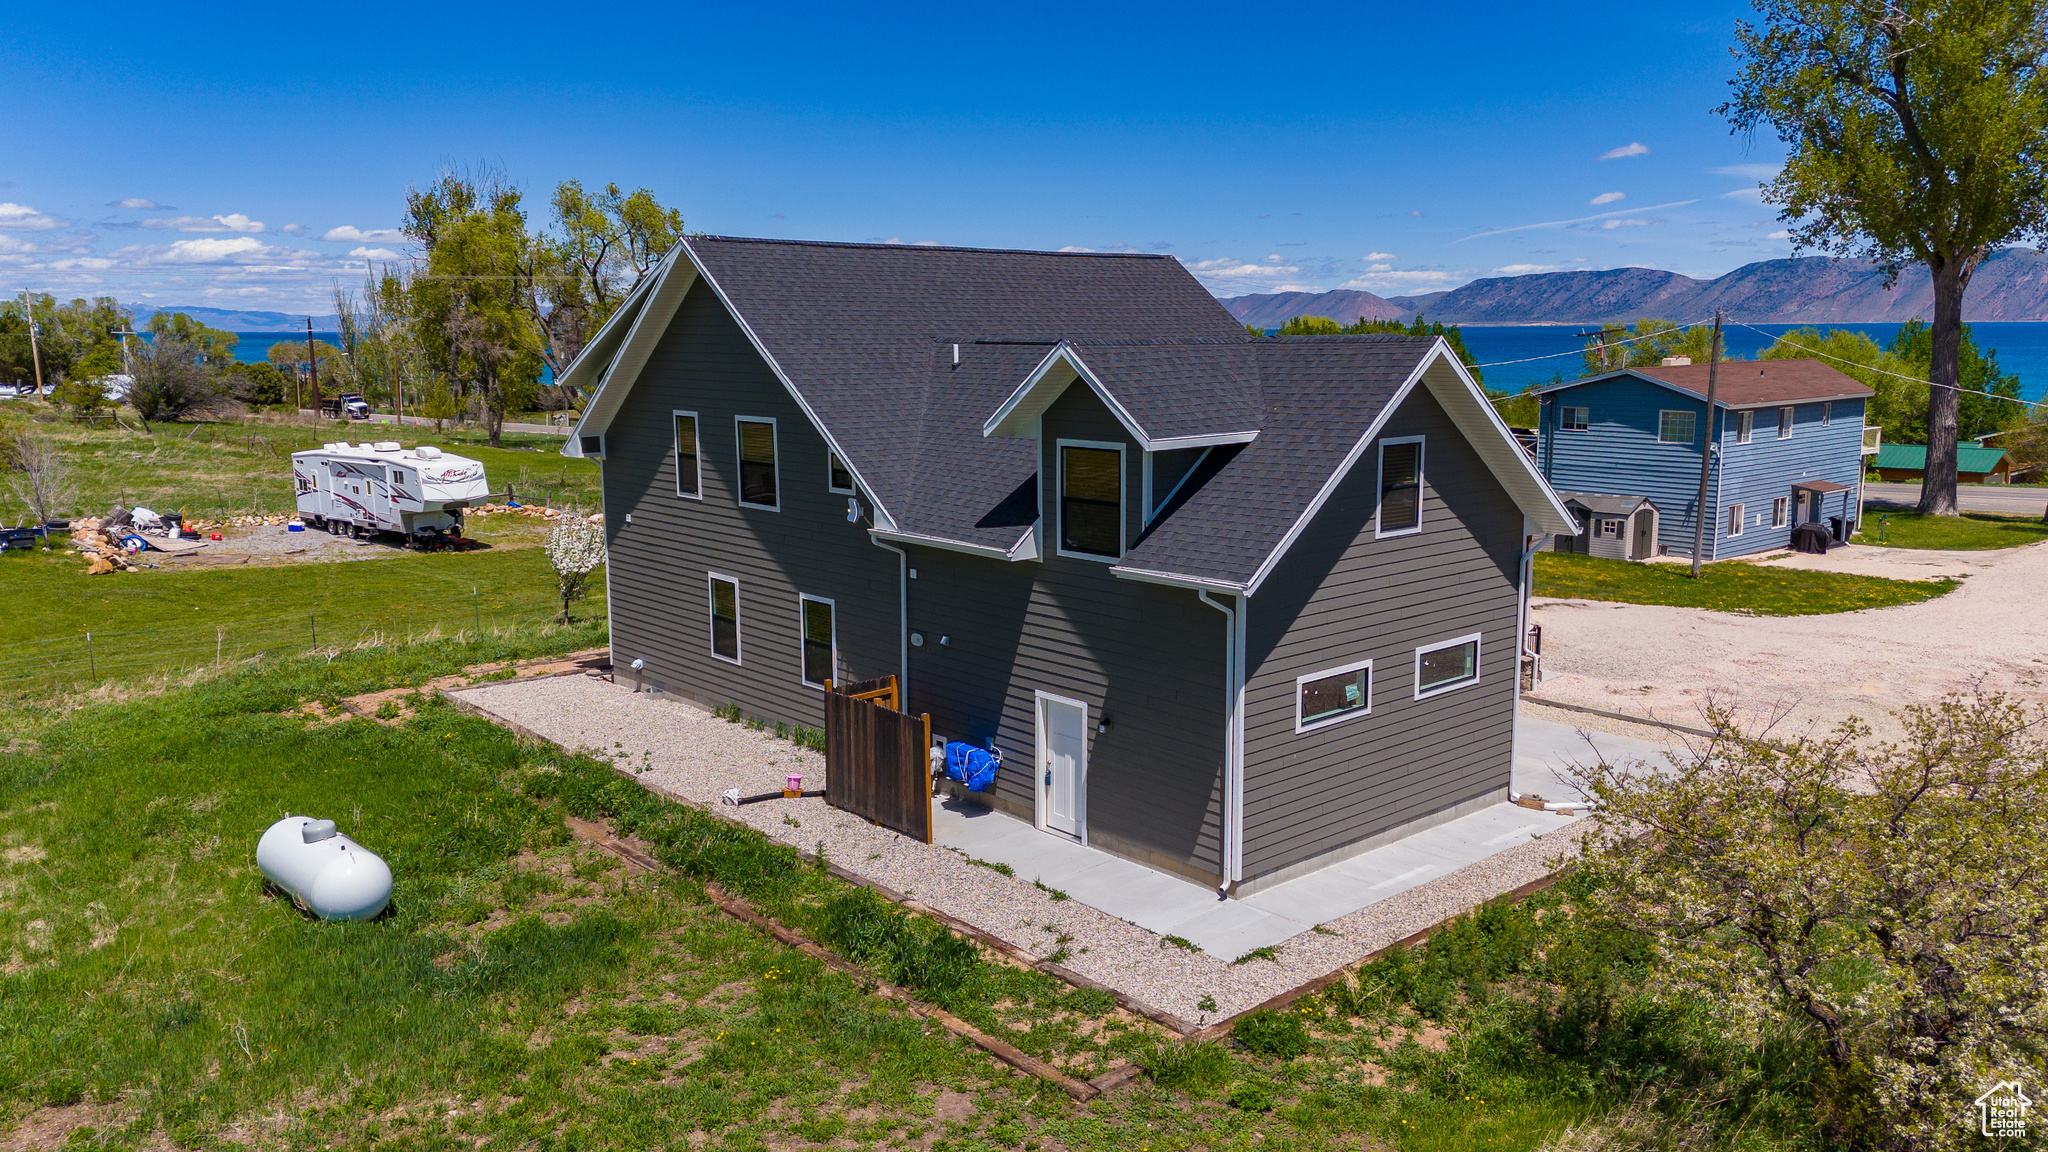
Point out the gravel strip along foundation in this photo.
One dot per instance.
(680, 749)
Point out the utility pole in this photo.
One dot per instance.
(28, 309)
(313, 363)
(1699, 527)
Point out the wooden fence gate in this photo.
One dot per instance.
(877, 759)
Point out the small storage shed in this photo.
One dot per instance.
(1616, 527)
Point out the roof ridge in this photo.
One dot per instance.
(922, 247)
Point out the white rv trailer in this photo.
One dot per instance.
(366, 488)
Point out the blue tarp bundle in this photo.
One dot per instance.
(974, 767)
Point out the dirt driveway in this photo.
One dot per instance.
(1667, 663)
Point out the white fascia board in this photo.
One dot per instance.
(648, 322)
(941, 542)
(760, 349)
(1019, 413)
(1169, 443)
(604, 346)
(1176, 580)
(1027, 547)
(1008, 420)
(1492, 441)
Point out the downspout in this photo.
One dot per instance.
(1233, 740)
(1526, 570)
(903, 618)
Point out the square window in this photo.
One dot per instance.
(725, 618)
(1400, 486)
(1784, 422)
(757, 463)
(1745, 424)
(1443, 667)
(1323, 698)
(1575, 419)
(838, 477)
(1091, 500)
(820, 646)
(689, 473)
(1735, 512)
(1675, 427)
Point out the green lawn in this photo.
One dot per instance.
(163, 621)
(1729, 586)
(1971, 531)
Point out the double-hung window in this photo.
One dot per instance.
(689, 465)
(1446, 666)
(1745, 424)
(757, 462)
(1785, 422)
(1675, 426)
(1778, 512)
(1827, 413)
(820, 642)
(725, 617)
(1324, 698)
(1574, 419)
(838, 477)
(1400, 486)
(1735, 516)
(1091, 499)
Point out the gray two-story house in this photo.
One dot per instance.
(1234, 607)
(1623, 449)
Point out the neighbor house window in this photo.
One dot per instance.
(1778, 512)
(757, 462)
(1442, 667)
(1091, 499)
(725, 618)
(838, 477)
(1674, 427)
(1745, 423)
(1735, 512)
(1575, 419)
(1323, 698)
(820, 647)
(1610, 529)
(689, 468)
(1827, 413)
(1784, 422)
(1400, 486)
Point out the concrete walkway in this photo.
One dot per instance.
(1171, 906)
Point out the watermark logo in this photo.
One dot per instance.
(2002, 1110)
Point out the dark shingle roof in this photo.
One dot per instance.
(1605, 504)
(1183, 387)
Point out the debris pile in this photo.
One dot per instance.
(527, 510)
(238, 522)
(107, 542)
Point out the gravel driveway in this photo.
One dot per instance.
(682, 749)
(1667, 663)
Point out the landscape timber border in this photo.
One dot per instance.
(1548, 703)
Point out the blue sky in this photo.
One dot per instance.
(250, 159)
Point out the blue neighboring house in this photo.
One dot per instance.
(1623, 449)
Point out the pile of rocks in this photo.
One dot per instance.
(101, 546)
(528, 510)
(204, 526)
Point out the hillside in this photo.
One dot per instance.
(1343, 305)
(232, 320)
(2011, 285)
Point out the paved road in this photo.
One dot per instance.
(2014, 500)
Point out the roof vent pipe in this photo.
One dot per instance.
(956, 355)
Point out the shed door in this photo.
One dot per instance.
(1644, 544)
(1063, 764)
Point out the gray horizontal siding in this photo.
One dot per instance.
(1342, 596)
(659, 561)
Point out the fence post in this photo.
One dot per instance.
(217, 636)
(91, 661)
(315, 626)
(478, 604)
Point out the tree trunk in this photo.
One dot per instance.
(1951, 276)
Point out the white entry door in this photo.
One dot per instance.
(1062, 765)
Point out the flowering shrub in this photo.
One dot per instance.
(575, 547)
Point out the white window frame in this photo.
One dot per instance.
(1779, 505)
(1686, 412)
(1301, 725)
(1737, 514)
(1745, 425)
(1827, 413)
(830, 458)
(740, 460)
(1564, 423)
(739, 632)
(1609, 528)
(1788, 415)
(1478, 651)
(801, 599)
(675, 452)
(1380, 486)
(1123, 499)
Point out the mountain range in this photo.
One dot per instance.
(232, 320)
(2011, 284)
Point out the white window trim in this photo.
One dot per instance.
(1779, 510)
(830, 456)
(1312, 725)
(739, 635)
(739, 447)
(1745, 425)
(1827, 413)
(1788, 416)
(1421, 485)
(801, 599)
(1563, 426)
(1737, 515)
(1478, 650)
(1122, 500)
(1688, 441)
(675, 450)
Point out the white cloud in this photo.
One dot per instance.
(1230, 276)
(1608, 198)
(374, 253)
(1402, 282)
(1779, 236)
(1567, 223)
(13, 246)
(1376, 257)
(1636, 148)
(1075, 248)
(138, 204)
(1611, 225)
(1523, 269)
(22, 218)
(349, 232)
(1749, 171)
(239, 251)
(293, 230)
(232, 222)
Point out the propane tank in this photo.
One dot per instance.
(322, 870)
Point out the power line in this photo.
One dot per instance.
(1659, 334)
